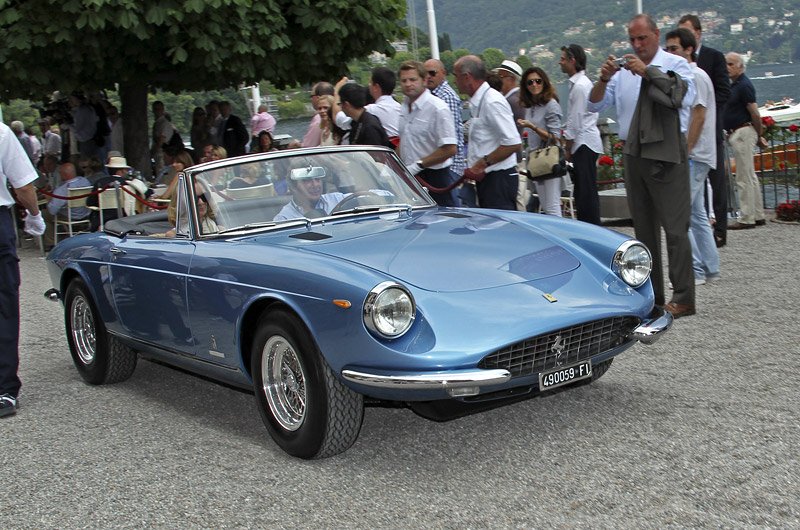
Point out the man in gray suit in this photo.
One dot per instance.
(652, 93)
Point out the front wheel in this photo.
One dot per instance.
(99, 357)
(307, 411)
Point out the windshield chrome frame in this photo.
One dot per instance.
(191, 172)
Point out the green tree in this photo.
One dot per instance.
(492, 57)
(524, 62)
(444, 42)
(177, 45)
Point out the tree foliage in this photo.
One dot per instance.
(185, 44)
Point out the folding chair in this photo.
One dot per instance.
(73, 226)
(109, 200)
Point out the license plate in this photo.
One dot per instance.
(563, 376)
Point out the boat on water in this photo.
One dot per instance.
(781, 111)
(777, 158)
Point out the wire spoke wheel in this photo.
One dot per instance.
(83, 330)
(308, 412)
(284, 383)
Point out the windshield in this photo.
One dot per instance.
(282, 187)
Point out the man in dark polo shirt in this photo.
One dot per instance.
(713, 63)
(366, 128)
(742, 121)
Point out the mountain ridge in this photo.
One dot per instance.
(771, 33)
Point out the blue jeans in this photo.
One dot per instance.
(705, 257)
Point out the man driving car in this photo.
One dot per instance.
(305, 185)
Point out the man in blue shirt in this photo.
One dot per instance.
(743, 122)
(57, 208)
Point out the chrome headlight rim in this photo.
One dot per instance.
(622, 257)
(372, 305)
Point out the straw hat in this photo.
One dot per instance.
(510, 66)
(118, 162)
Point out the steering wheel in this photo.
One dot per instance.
(344, 204)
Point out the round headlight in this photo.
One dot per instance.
(632, 263)
(389, 310)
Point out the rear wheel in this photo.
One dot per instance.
(306, 409)
(99, 357)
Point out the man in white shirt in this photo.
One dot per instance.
(427, 134)
(381, 86)
(509, 73)
(162, 133)
(652, 93)
(308, 201)
(52, 140)
(582, 135)
(702, 146)
(493, 137)
(17, 171)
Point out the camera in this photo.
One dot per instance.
(619, 62)
(57, 108)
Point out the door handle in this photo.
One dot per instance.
(117, 251)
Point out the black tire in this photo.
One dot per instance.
(99, 357)
(307, 411)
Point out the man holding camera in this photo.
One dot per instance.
(652, 92)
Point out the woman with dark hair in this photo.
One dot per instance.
(542, 117)
(265, 143)
(199, 134)
(180, 161)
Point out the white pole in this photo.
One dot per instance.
(432, 31)
(638, 7)
(255, 93)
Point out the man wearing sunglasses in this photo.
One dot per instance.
(436, 81)
(652, 92)
(510, 73)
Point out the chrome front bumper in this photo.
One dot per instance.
(651, 330)
(457, 383)
(463, 383)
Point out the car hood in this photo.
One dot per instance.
(446, 250)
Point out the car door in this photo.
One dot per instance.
(148, 282)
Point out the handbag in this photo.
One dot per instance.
(546, 162)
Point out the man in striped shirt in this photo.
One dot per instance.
(436, 81)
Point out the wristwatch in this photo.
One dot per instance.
(486, 159)
(419, 163)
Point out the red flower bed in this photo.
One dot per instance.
(788, 211)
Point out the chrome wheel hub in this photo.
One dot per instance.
(283, 382)
(83, 331)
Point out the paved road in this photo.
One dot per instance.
(700, 429)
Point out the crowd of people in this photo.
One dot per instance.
(675, 106)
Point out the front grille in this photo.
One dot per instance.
(561, 347)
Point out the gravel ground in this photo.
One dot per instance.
(698, 430)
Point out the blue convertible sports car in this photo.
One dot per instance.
(322, 277)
